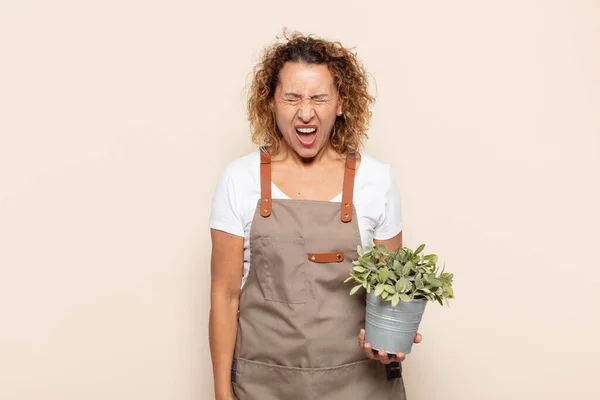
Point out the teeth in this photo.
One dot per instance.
(306, 130)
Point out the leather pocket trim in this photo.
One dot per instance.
(336, 256)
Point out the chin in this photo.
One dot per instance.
(305, 152)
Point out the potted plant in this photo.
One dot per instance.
(398, 284)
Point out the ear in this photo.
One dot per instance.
(340, 107)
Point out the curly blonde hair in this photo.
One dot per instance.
(350, 78)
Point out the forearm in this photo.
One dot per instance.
(222, 335)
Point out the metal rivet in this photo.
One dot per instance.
(339, 256)
(265, 210)
(313, 258)
(345, 215)
(266, 200)
(346, 205)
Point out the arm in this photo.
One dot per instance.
(389, 225)
(226, 277)
(391, 244)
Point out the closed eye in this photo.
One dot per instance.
(291, 98)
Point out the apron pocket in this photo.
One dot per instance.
(261, 381)
(360, 380)
(280, 265)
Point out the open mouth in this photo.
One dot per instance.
(307, 136)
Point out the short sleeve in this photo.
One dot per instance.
(225, 210)
(391, 220)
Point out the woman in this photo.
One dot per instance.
(285, 225)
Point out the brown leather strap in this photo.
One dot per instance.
(265, 184)
(348, 190)
(337, 256)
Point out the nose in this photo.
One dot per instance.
(306, 111)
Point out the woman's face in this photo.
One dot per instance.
(306, 104)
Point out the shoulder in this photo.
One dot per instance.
(372, 163)
(242, 173)
(243, 166)
(240, 177)
(372, 171)
(236, 189)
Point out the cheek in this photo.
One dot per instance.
(284, 121)
(284, 115)
(328, 116)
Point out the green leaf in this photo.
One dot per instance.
(360, 251)
(395, 300)
(371, 265)
(408, 267)
(419, 249)
(419, 282)
(402, 285)
(390, 289)
(355, 289)
(348, 279)
(404, 297)
(431, 258)
(383, 249)
(379, 289)
(359, 269)
(384, 274)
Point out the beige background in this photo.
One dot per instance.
(116, 118)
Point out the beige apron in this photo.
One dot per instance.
(298, 326)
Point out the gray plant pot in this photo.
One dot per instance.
(392, 329)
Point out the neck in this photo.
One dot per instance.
(286, 154)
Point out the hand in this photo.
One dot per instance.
(381, 355)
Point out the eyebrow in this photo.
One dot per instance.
(313, 96)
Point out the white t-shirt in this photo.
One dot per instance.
(376, 199)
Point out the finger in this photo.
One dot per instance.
(383, 357)
(400, 357)
(361, 338)
(418, 338)
(369, 351)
